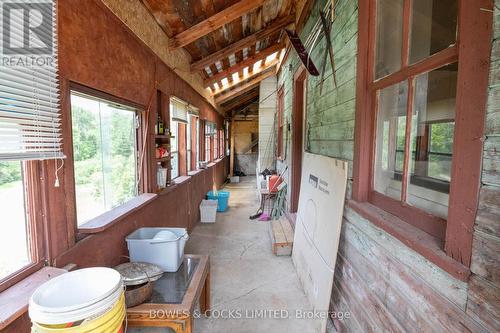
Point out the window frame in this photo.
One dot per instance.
(142, 173)
(192, 149)
(280, 121)
(34, 186)
(472, 52)
(172, 151)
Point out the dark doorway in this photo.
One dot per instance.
(299, 100)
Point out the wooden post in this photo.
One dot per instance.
(231, 155)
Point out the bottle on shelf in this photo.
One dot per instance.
(160, 128)
(161, 176)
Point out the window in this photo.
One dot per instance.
(174, 146)
(14, 238)
(280, 110)
(226, 138)
(417, 150)
(188, 142)
(104, 153)
(210, 131)
(216, 145)
(408, 168)
(221, 143)
(207, 148)
(30, 130)
(179, 118)
(197, 153)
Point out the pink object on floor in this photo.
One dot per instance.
(264, 217)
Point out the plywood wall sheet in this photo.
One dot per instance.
(86, 34)
(317, 230)
(321, 201)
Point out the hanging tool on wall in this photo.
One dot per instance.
(327, 25)
(302, 52)
(323, 68)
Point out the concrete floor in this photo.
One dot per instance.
(246, 276)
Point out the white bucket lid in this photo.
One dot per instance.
(75, 295)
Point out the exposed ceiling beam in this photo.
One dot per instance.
(261, 55)
(248, 77)
(234, 104)
(244, 87)
(214, 22)
(248, 41)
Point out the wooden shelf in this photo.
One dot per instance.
(160, 136)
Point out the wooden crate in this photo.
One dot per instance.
(281, 233)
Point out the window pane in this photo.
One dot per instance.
(432, 140)
(389, 37)
(105, 161)
(14, 249)
(207, 148)
(391, 127)
(197, 143)
(188, 142)
(174, 162)
(175, 165)
(433, 27)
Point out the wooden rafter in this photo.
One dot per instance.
(250, 75)
(214, 22)
(243, 43)
(261, 55)
(241, 100)
(247, 86)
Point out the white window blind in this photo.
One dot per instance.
(30, 126)
(193, 110)
(178, 110)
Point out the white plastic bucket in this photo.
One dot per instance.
(166, 253)
(76, 297)
(208, 211)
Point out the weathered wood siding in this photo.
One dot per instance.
(385, 285)
(483, 301)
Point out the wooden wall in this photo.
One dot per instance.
(97, 50)
(384, 284)
(483, 302)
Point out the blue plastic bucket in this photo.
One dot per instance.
(222, 198)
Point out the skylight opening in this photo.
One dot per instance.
(271, 57)
(257, 65)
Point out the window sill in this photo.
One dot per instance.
(181, 179)
(194, 172)
(106, 220)
(426, 245)
(15, 299)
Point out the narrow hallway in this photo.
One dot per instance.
(246, 276)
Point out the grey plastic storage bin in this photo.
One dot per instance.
(168, 254)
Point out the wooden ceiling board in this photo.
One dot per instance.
(214, 69)
(248, 62)
(251, 75)
(270, 11)
(242, 99)
(214, 22)
(244, 87)
(273, 28)
(285, 7)
(253, 26)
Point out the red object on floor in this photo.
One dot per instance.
(274, 182)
